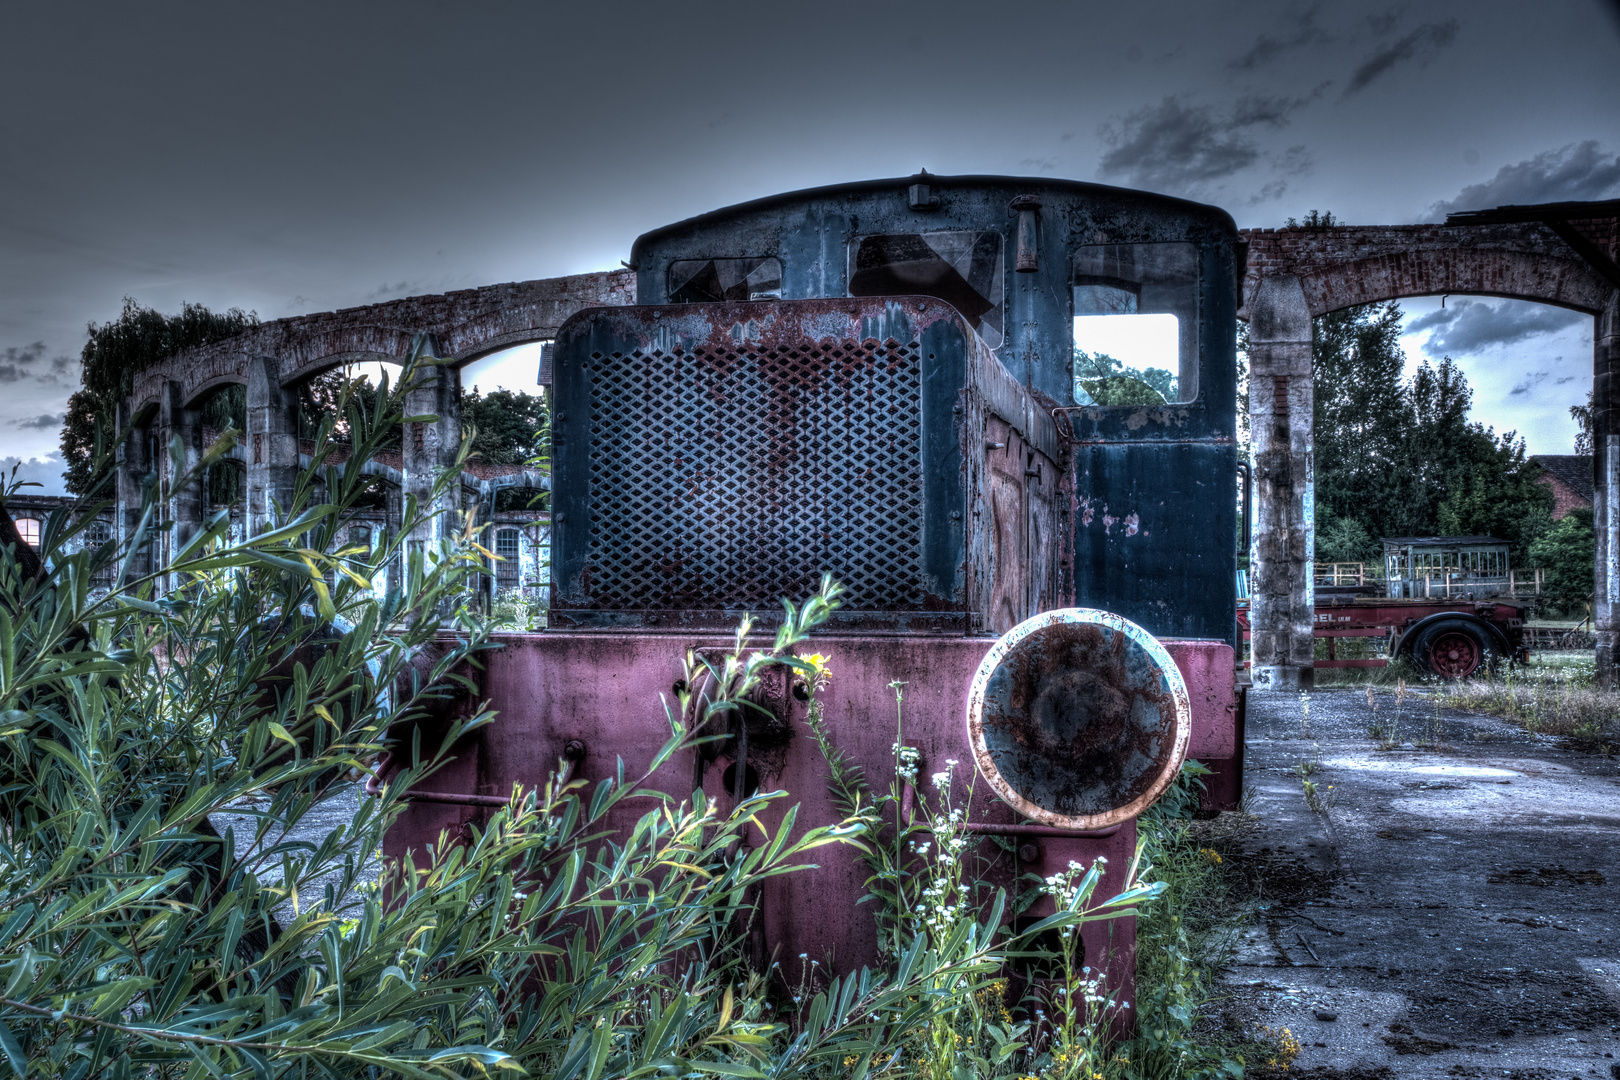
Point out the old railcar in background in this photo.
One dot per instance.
(1452, 605)
(976, 402)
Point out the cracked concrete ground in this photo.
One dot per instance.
(1450, 910)
(322, 819)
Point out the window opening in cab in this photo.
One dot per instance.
(962, 268)
(1135, 324)
(715, 281)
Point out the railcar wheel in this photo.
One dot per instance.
(1453, 649)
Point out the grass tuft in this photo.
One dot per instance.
(1553, 695)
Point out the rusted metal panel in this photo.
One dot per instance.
(1154, 529)
(594, 698)
(1211, 677)
(712, 458)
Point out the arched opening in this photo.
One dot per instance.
(1441, 427)
(220, 409)
(505, 402)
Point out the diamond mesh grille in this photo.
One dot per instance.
(729, 478)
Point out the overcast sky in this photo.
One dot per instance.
(289, 158)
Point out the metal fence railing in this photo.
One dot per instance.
(1435, 585)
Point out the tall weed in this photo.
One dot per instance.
(136, 939)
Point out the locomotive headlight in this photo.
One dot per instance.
(1079, 718)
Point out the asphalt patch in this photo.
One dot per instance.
(1547, 876)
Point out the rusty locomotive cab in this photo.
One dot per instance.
(1001, 412)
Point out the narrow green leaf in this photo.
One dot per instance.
(13, 1049)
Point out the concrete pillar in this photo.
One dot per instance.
(392, 498)
(1606, 488)
(185, 500)
(272, 443)
(132, 468)
(430, 447)
(1281, 593)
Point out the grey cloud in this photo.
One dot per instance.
(25, 362)
(1267, 48)
(45, 471)
(386, 291)
(1530, 382)
(1469, 326)
(1422, 45)
(1573, 173)
(42, 422)
(1178, 147)
(1045, 164)
(1383, 22)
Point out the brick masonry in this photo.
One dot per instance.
(468, 324)
(1344, 265)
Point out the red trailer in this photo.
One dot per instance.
(1449, 638)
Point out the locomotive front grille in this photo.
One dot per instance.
(727, 478)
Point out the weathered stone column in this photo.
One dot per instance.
(431, 447)
(1606, 487)
(132, 466)
(185, 501)
(272, 443)
(1281, 594)
(393, 497)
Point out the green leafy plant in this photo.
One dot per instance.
(1183, 938)
(139, 939)
(926, 887)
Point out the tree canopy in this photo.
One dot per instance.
(1399, 457)
(116, 352)
(510, 426)
(1110, 382)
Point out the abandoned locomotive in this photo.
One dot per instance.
(987, 406)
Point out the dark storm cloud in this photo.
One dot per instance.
(1573, 173)
(28, 363)
(42, 422)
(1267, 48)
(1422, 45)
(1468, 326)
(1178, 147)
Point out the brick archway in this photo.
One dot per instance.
(1562, 254)
(275, 357)
(1341, 266)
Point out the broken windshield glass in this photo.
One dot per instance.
(962, 268)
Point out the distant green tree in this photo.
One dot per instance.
(116, 352)
(226, 408)
(1399, 457)
(1567, 551)
(1110, 382)
(318, 398)
(1340, 539)
(510, 426)
(1583, 417)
